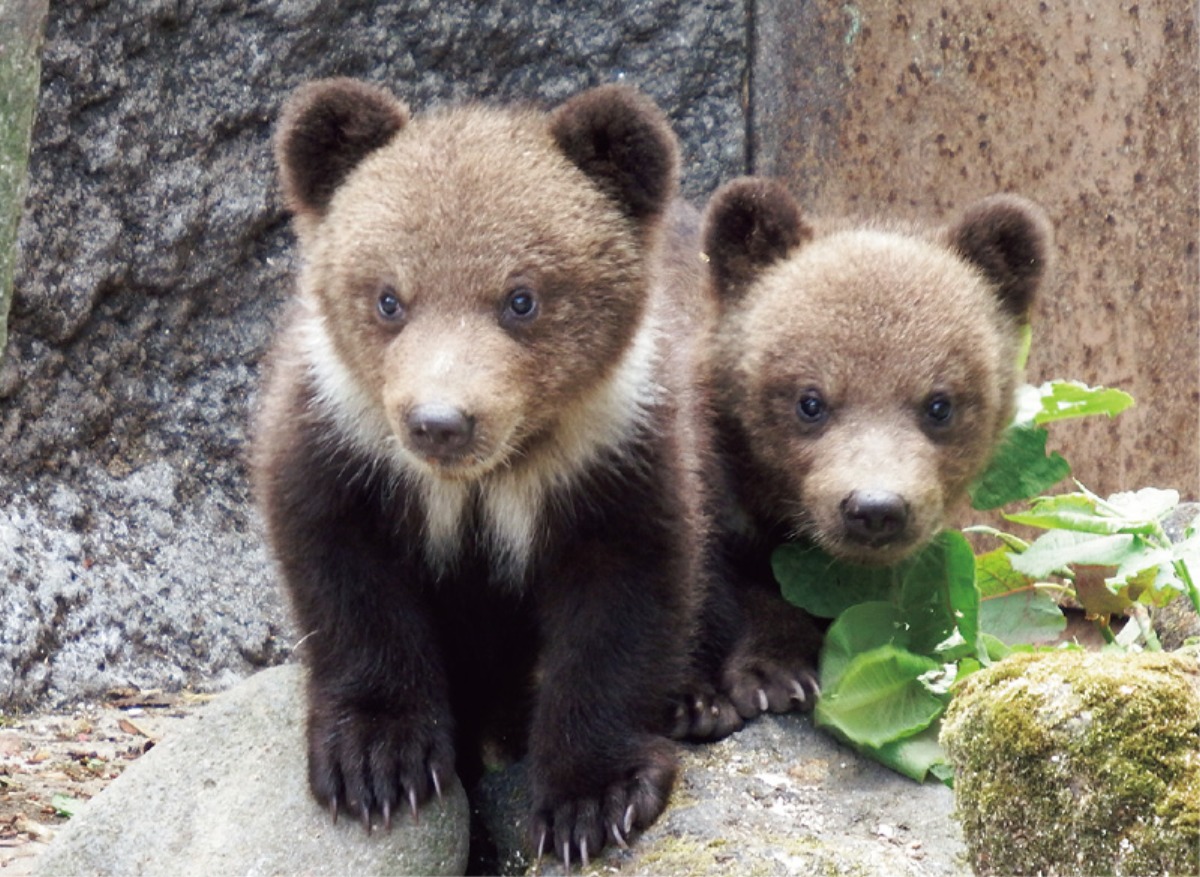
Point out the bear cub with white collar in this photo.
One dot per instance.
(477, 454)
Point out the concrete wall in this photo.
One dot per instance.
(916, 108)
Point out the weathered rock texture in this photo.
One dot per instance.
(1080, 764)
(21, 26)
(226, 794)
(154, 255)
(920, 108)
(777, 798)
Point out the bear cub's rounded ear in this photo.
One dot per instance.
(1009, 238)
(624, 144)
(749, 224)
(326, 128)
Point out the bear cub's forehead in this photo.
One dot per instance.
(471, 188)
(876, 304)
(871, 281)
(468, 162)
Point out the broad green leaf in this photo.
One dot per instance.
(1136, 512)
(859, 629)
(995, 576)
(1065, 399)
(1061, 548)
(1024, 616)
(823, 586)
(1018, 470)
(938, 593)
(915, 756)
(881, 698)
(1142, 506)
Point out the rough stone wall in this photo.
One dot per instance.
(918, 108)
(153, 254)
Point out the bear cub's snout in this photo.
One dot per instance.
(440, 432)
(875, 517)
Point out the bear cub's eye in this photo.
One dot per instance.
(520, 306)
(811, 408)
(939, 410)
(389, 306)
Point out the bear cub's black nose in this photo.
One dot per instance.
(440, 431)
(875, 517)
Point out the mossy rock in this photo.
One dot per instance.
(22, 23)
(1079, 763)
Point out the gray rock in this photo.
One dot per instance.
(154, 255)
(778, 797)
(226, 793)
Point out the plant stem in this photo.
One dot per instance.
(1139, 614)
(1106, 630)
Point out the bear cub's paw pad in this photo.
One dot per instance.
(705, 715)
(375, 766)
(759, 685)
(576, 828)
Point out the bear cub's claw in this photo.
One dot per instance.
(761, 685)
(373, 765)
(705, 715)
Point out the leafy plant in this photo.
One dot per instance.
(902, 636)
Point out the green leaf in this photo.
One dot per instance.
(1061, 548)
(64, 805)
(823, 586)
(1061, 400)
(995, 576)
(859, 629)
(1018, 470)
(938, 593)
(1137, 513)
(881, 698)
(914, 757)
(1025, 616)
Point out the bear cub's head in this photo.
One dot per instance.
(865, 372)
(474, 279)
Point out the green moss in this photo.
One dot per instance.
(1075, 763)
(21, 26)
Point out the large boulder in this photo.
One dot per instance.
(778, 797)
(154, 255)
(226, 794)
(1075, 763)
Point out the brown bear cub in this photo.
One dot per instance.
(477, 455)
(864, 374)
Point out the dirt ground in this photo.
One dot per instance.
(51, 762)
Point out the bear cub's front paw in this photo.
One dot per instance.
(373, 763)
(574, 825)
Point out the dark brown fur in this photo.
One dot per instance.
(840, 348)
(488, 522)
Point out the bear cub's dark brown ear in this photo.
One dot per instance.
(327, 127)
(622, 141)
(1010, 240)
(749, 223)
